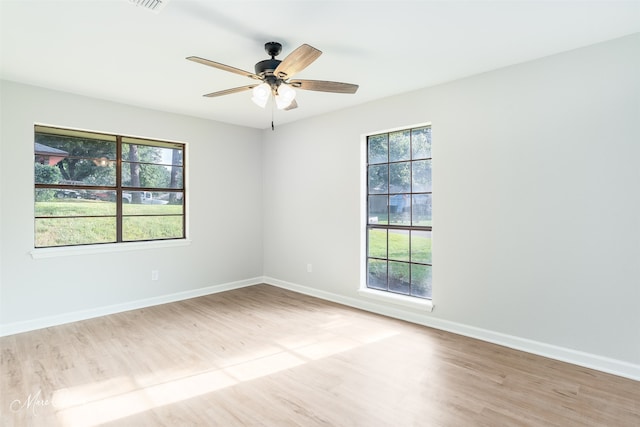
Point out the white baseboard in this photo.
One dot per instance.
(587, 360)
(45, 322)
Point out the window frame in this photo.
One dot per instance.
(387, 295)
(119, 188)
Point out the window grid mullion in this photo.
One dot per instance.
(119, 189)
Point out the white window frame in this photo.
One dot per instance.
(388, 298)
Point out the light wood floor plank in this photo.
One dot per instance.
(263, 356)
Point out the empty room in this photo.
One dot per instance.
(319, 213)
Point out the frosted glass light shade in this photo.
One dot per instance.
(261, 94)
(285, 96)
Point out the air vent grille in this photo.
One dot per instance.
(153, 5)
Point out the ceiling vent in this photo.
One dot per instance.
(153, 5)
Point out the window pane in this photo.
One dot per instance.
(421, 280)
(378, 210)
(421, 215)
(146, 203)
(400, 209)
(65, 202)
(74, 231)
(377, 243)
(421, 171)
(378, 148)
(399, 178)
(64, 146)
(141, 153)
(378, 179)
(152, 198)
(151, 227)
(399, 277)
(399, 146)
(421, 246)
(421, 143)
(377, 274)
(164, 156)
(145, 175)
(76, 172)
(51, 194)
(399, 245)
(79, 160)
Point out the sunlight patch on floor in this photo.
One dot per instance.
(89, 393)
(327, 348)
(242, 356)
(78, 407)
(264, 366)
(106, 401)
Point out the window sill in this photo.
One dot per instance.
(105, 248)
(406, 301)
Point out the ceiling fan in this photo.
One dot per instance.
(275, 77)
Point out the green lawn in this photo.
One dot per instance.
(80, 207)
(404, 249)
(100, 226)
(399, 243)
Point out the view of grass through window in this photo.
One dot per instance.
(399, 212)
(95, 188)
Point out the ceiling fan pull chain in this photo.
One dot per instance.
(272, 127)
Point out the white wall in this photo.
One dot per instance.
(536, 202)
(224, 201)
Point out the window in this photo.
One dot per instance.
(399, 212)
(93, 188)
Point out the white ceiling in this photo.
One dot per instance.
(117, 51)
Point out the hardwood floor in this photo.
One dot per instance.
(263, 356)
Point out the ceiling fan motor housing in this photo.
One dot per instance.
(266, 67)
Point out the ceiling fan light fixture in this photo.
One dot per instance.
(285, 96)
(274, 75)
(261, 94)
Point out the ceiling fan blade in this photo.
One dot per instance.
(297, 61)
(222, 67)
(291, 106)
(230, 91)
(324, 86)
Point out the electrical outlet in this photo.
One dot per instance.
(309, 268)
(154, 274)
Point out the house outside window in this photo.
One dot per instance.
(399, 205)
(94, 188)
